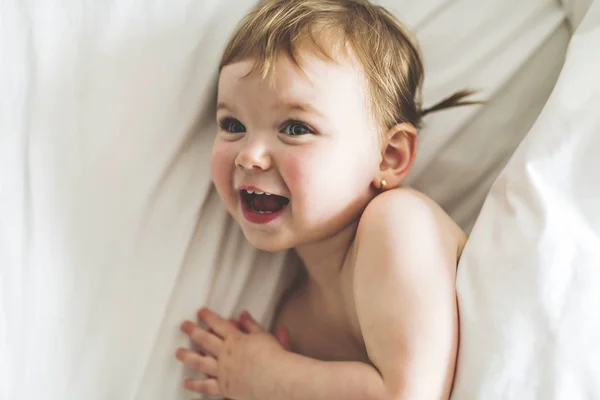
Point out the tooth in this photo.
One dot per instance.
(250, 191)
(268, 194)
(260, 192)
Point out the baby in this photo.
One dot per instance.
(318, 110)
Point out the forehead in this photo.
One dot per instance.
(313, 79)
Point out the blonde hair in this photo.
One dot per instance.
(388, 55)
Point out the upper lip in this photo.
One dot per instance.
(258, 190)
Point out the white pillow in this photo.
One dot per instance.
(529, 278)
(110, 233)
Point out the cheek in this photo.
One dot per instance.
(222, 163)
(314, 178)
(299, 172)
(329, 178)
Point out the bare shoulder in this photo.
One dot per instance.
(399, 215)
(406, 252)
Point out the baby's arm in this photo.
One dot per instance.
(404, 286)
(406, 306)
(252, 365)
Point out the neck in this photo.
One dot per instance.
(324, 260)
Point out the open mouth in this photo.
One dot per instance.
(263, 202)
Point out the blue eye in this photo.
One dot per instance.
(232, 125)
(295, 128)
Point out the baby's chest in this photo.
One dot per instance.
(327, 343)
(323, 333)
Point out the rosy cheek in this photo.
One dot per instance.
(294, 172)
(222, 164)
(305, 173)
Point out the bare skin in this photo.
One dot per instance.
(322, 321)
(381, 325)
(377, 316)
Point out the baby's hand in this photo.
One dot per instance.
(234, 358)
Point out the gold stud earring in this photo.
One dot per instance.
(383, 184)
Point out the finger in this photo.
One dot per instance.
(248, 324)
(207, 386)
(221, 326)
(235, 323)
(206, 365)
(283, 336)
(209, 342)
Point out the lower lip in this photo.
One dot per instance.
(260, 218)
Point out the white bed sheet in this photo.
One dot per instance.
(512, 53)
(110, 233)
(529, 277)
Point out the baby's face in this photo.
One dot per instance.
(296, 153)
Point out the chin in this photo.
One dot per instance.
(266, 243)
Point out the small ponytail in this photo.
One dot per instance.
(456, 100)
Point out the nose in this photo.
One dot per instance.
(254, 155)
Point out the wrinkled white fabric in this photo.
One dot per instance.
(529, 278)
(110, 233)
(575, 10)
(511, 52)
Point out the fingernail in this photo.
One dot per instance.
(202, 312)
(187, 326)
(179, 354)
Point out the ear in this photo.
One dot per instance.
(398, 155)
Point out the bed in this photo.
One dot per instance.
(111, 233)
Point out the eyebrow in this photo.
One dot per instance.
(299, 106)
(287, 105)
(222, 105)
